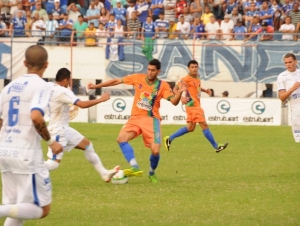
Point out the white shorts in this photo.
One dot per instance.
(296, 128)
(69, 138)
(26, 188)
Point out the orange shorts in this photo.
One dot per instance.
(147, 126)
(195, 114)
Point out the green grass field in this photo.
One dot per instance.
(255, 181)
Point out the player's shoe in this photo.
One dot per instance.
(133, 172)
(221, 147)
(153, 178)
(167, 142)
(110, 173)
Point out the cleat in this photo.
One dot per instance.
(110, 173)
(167, 142)
(221, 147)
(133, 172)
(153, 178)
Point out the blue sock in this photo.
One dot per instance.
(128, 154)
(153, 163)
(210, 137)
(179, 133)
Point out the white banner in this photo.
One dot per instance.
(218, 111)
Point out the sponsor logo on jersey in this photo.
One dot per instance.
(17, 87)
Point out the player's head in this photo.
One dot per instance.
(36, 59)
(193, 67)
(63, 77)
(290, 62)
(153, 69)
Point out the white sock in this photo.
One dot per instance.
(23, 211)
(13, 222)
(93, 158)
(51, 165)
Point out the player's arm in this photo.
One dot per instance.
(284, 94)
(90, 103)
(112, 82)
(208, 91)
(175, 99)
(183, 100)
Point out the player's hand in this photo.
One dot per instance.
(295, 86)
(91, 86)
(208, 91)
(182, 87)
(105, 96)
(185, 100)
(56, 148)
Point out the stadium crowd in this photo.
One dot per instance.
(94, 21)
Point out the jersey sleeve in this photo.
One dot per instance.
(68, 97)
(131, 79)
(167, 91)
(41, 98)
(280, 83)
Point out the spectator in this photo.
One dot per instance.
(226, 27)
(276, 7)
(93, 14)
(217, 8)
(134, 26)
(14, 8)
(266, 30)
(180, 5)
(239, 30)
(114, 3)
(65, 27)
(64, 5)
(254, 26)
(57, 11)
(43, 14)
(119, 12)
(230, 6)
(287, 7)
(250, 14)
(170, 9)
(212, 29)
(212, 93)
(37, 27)
(101, 35)
(248, 4)
(80, 26)
(287, 29)
(295, 15)
(3, 27)
(196, 9)
(51, 28)
(98, 5)
(104, 16)
(28, 19)
(225, 94)
(119, 29)
(206, 15)
(130, 9)
(187, 16)
(73, 11)
(90, 35)
(143, 10)
(183, 28)
(268, 92)
(161, 26)
(110, 25)
(266, 14)
(198, 27)
(49, 6)
(172, 29)
(235, 16)
(157, 7)
(148, 36)
(4, 9)
(18, 25)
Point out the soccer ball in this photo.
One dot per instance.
(119, 178)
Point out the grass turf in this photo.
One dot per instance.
(255, 181)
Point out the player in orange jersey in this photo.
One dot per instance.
(145, 118)
(195, 113)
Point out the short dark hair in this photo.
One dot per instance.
(156, 63)
(62, 74)
(192, 62)
(161, 13)
(290, 55)
(80, 16)
(92, 23)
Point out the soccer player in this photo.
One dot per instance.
(60, 101)
(145, 118)
(195, 113)
(288, 89)
(26, 186)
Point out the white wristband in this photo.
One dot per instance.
(49, 142)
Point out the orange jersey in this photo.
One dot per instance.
(147, 96)
(193, 90)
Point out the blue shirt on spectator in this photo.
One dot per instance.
(200, 29)
(148, 29)
(252, 13)
(143, 8)
(19, 26)
(107, 4)
(157, 11)
(110, 25)
(287, 8)
(120, 14)
(239, 30)
(65, 31)
(267, 12)
(93, 12)
(230, 7)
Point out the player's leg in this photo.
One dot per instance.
(25, 196)
(154, 160)
(53, 160)
(13, 222)
(95, 160)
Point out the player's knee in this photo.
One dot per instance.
(204, 125)
(51, 165)
(46, 210)
(121, 139)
